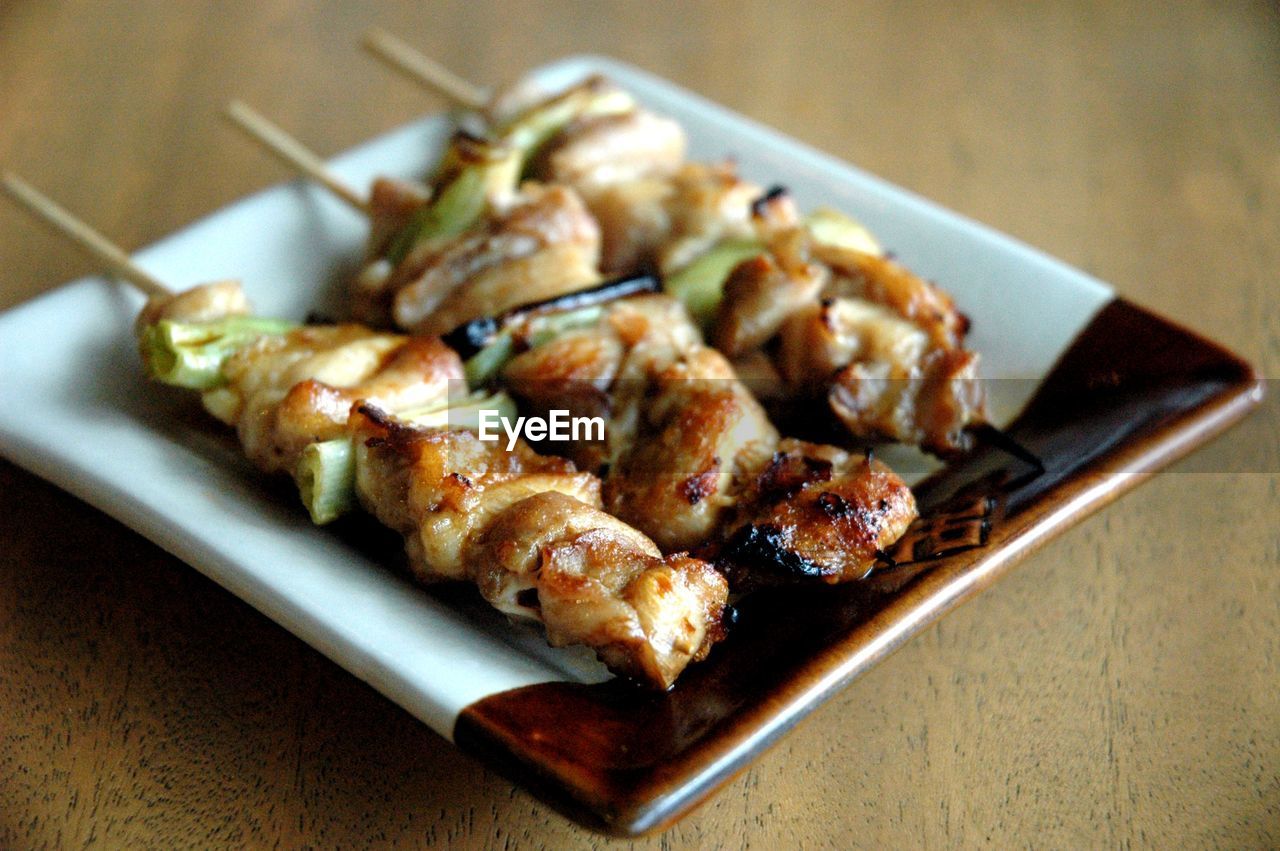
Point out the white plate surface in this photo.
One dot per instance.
(75, 408)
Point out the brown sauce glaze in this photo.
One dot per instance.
(1132, 393)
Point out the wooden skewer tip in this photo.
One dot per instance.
(292, 152)
(91, 241)
(426, 71)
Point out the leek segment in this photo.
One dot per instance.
(462, 200)
(191, 354)
(484, 366)
(534, 128)
(700, 285)
(832, 227)
(476, 171)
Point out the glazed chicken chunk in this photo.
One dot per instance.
(286, 392)
(816, 513)
(882, 347)
(539, 244)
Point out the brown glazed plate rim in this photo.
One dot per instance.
(1131, 395)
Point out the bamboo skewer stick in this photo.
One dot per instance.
(424, 70)
(90, 240)
(293, 153)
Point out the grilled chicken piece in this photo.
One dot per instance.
(886, 349)
(286, 392)
(529, 532)
(596, 151)
(822, 338)
(202, 303)
(709, 204)
(931, 406)
(544, 244)
(759, 296)
(883, 347)
(815, 513)
(882, 281)
(634, 220)
(594, 580)
(665, 223)
(700, 434)
(441, 487)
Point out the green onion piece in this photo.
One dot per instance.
(326, 477)
(534, 128)
(463, 412)
(484, 366)
(487, 171)
(832, 227)
(191, 354)
(700, 285)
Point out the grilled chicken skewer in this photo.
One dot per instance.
(527, 530)
(472, 243)
(840, 323)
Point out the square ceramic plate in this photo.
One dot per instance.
(1099, 389)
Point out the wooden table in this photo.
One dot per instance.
(1121, 688)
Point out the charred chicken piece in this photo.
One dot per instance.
(597, 151)
(815, 513)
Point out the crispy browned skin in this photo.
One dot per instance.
(528, 530)
(815, 513)
(286, 392)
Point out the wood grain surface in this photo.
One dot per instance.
(1122, 688)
